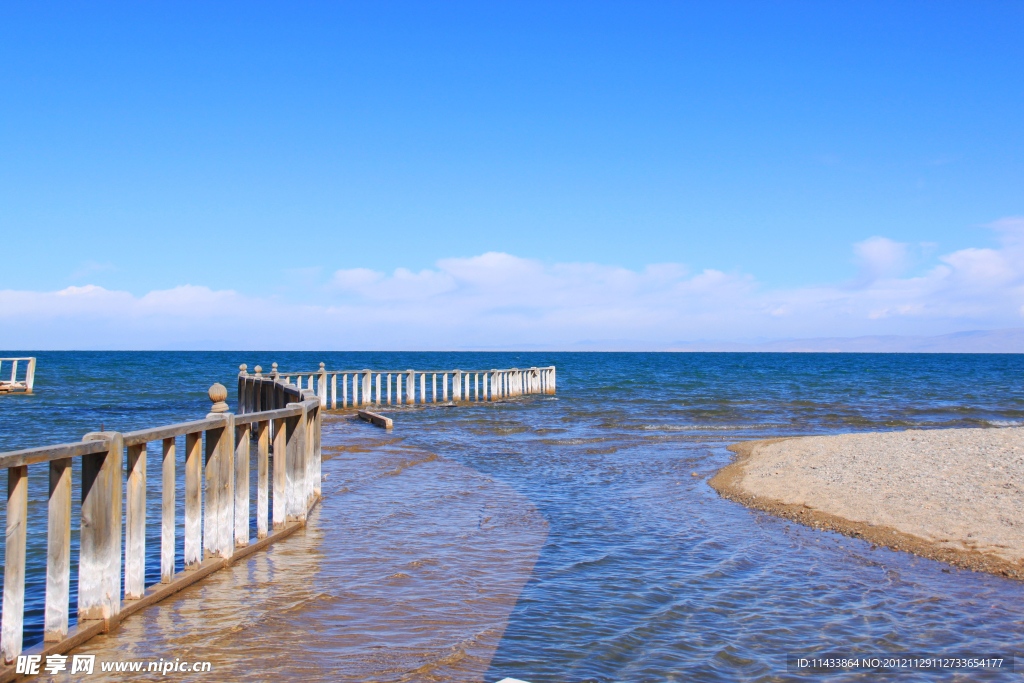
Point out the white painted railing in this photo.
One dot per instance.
(13, 384)
(411, 387)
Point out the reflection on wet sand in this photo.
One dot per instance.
(407, 571)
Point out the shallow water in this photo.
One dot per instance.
(645, 574)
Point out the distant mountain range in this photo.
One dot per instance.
(975, 341)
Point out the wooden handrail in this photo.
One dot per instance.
(214, 535)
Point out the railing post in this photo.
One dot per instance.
(423, 387)
(262, 461)
(410, 387)
(281, 437)
(295, 470)
(14, 371)
(321, 389)
(242, 435)
(135, 534)
(193, 500)
(99, 558)
(30, 375)
(433, 388)
(366, 387)
(58, 552)
(243, 406)
(389, 388)
(377, 397)
(14, 563)
(444, 387)
(553, 379)
(457, 385)
(167, 508)
(344, 390)
(334, 391)
(220, 477)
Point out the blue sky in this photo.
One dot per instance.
(655, 171)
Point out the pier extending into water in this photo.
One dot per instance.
(374, 387)
(218, 478)
(15, 385)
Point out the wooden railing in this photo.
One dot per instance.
(14, 385)
(374, 387)
(215, 527)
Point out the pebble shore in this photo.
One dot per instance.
(955, 495)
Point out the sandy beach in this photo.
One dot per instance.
(955, 495)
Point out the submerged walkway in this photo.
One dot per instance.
(407, 571)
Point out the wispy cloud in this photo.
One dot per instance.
(501, 300)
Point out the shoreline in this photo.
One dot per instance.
(765, 476)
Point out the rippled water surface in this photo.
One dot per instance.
(641, 572)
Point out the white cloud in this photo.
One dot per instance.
(501, 300)
(880, 257)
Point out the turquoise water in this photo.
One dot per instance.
(646, 574)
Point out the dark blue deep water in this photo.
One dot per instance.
(646, 575)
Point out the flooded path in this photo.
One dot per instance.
(407, 571)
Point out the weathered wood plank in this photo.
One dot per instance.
(281, 427)
(99, 563)
(160, 433)
(14, 563)
(193, 501)
(375, 419)
(241, 506)
(262, 462)
(58, 552)
(30, 456)
(135, 537)
(167, 512)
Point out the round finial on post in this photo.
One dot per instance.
(243, 367)
(258, 369)
(218, 394)
(274, 366)
(321, 366)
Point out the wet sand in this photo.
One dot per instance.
(407, 571)
(955, 495)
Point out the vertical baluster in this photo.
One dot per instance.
(355, 389)
(30, 375)
(389, 388)
(334, 391)
(99, 556)
(262, 458)
(58, 552)
(444, 387)
(377, 397)
(220, 477)
(366, 387)
(321, 389)
(280, 464)
(135, 534)
(423, 387)
(433, 388)
(167, 512)
(242, 436)
(14, 563)
(242, 374)
(456, 385)
(14, 371)
(398, 388)
(344, 390)
(193, 500)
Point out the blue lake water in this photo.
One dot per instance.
(646, 574)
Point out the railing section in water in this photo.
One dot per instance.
(216, 526)
(28, 377)
(375, 386)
